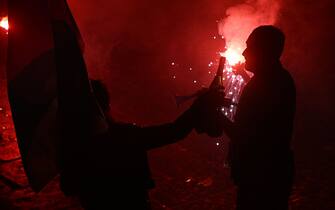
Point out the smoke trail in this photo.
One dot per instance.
(243, 18)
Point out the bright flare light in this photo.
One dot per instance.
(4, 23)
(233, 54)
(232, 79)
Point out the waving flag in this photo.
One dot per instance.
(46, 76)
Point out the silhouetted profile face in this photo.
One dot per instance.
(264, 48)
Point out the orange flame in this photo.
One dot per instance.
(4, 23)
(233, 54)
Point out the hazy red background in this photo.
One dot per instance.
(131, 44)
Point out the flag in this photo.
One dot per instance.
(43, 83)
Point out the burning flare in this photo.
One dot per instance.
(233, 54)
(4, 23)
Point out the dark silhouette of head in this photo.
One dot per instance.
(264, 48)
(101, 94)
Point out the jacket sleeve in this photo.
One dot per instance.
(154, 136)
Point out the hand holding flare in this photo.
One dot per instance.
(216, 85)
(208, 105)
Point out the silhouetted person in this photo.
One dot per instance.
(115, 173)
(260, 155)
(105, 164)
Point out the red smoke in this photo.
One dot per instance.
(241, 20)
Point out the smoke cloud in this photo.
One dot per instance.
(243, 18)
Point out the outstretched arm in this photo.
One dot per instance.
(153, 136)
(160, 135)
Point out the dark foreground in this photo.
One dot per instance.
(189, 176)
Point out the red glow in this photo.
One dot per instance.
(4, 23)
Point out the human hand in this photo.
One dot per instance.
(208, 112)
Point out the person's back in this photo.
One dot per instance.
(119, 174)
